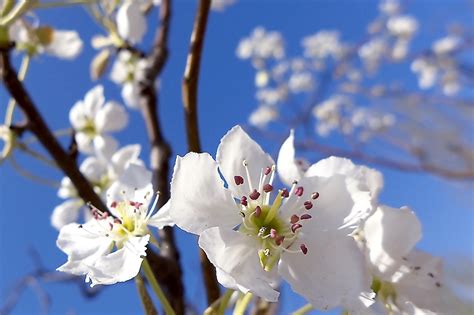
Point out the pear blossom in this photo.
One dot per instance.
(8, 137)
(64, 44)
(446, 45)
(128, 70)
(92, 120)
(406, 280)
(325, 43)
(254, 234)
(403, 26)
(262, 116)
(131, 21)
(110, 248)
(261, 45)
(221, 5)
(101, 173)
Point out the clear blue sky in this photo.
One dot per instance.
(226, 99)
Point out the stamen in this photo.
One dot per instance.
(258, 211)
(279, 240)
(315, 195)
(261, 231)
(254, 195)
(299, 191)
(304, 249)
(308, 205)
(294, 218)
(113, 204)
(295, 227)
(273, 233)
(285, 193)
(267, 188)
(248, 174)
(267, 170)
(243, 201)
(305, 216)
(239, 180)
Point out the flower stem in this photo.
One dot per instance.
(303, 310)
(56, 4)
(243, 304)
(21, 76)
(145, 297)
(224, 302)
(156, 287)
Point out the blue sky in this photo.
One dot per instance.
(226, 98)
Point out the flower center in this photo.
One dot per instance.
(275, 230)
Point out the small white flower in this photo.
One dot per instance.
(446, 45)
(101, 173)
(128, 70)
(262, 116)
(221, 5)
(43, 39)
(8, 137)
(131, 22)
(301, 82)
(254, 233)
(261, 45)
(403, 26)
(110, 248)
(325, 43)
(92, 120)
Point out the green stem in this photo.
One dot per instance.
(58, 4)
(242, 305)
(224, 302)
(303, 310)
(156, 287)
(21, 76)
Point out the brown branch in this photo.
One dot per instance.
(160, 152)
(190, 100)
(37, 125)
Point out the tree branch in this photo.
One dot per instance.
(190, 100)
(37, 125)
(160, 153)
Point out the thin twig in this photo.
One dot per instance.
(37, 125)
(190, 100)
(160, 152)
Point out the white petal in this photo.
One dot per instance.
(78, 115)
(391, 234)
(236, 254)
(133, 185)
(420, 280)
(162, 218)
(65, 44)
(111, 117)
(105, 146)
(288, 168)
(67, 189)
(83, 241)
(369, 178)
(94, 100)
(131, 22)
(131, 94)
(85, 144)
(198, 197)
(121, 265)
(126, 155)
(340, 205)
(331, 274)
(235, 147)
(93, 168)
(66, 213)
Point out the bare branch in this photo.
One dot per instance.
(37, 125)
(190, 100)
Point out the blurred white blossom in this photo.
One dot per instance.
(262, 116)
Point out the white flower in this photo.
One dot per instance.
(403, 26)
(128, 70)
(131, 22)
(301, 82)
(323, 44)
(407, 281)
(221, 5)
(330, 115)
(101, 173)
(92, 120)
(261, 45)
(446, 45)
(262, 116)
(110, 248)
(272, 96)
(389, 7)
(63, 44)
(299, 234)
